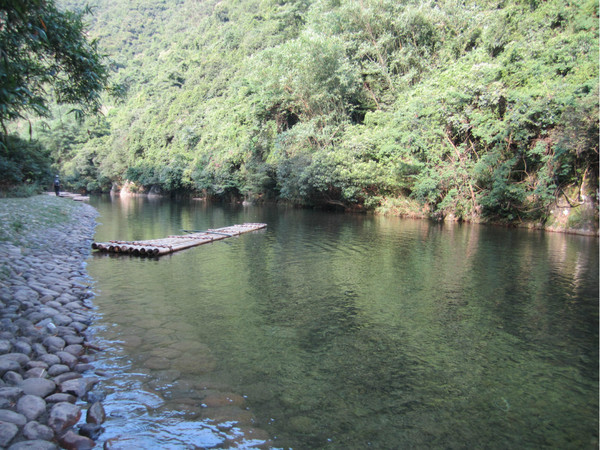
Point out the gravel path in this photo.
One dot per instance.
(46, 379)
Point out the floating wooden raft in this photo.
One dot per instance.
(157, 247)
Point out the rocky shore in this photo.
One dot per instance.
(46, 375)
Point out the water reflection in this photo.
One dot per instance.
(337, 331)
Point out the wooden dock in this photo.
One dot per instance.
(157, 247)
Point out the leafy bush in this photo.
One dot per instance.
(24, 163)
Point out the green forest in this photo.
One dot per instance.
(470, 109)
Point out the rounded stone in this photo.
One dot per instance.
(36, 372)
(57, 369)
(72, 440)
(54, 343)
(42, 387)
(61, 397)
(63, 416)
(62, 320)
(26, 294)
(31, 406)
(96, 414)
(22, 347)
(6, 415)
(50, 359)
(75, 349)
(34, 430)
(78, 387)
(84, 367)
(8, 431)
(59, 379)
(32, 364)
(39, 349)
(19, 358)
(67, 358)
(72, 339)
(73, 306)
(78, 326)
(10, 393)
(12, 378)
(5, 346)
(91, 430)
(37, 444)
(8, 365)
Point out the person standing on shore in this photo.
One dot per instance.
(57, 185)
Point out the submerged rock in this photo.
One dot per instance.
(73, 441)
(96, 414)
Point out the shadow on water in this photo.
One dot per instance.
(343, 331)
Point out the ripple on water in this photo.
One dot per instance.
(169, 434)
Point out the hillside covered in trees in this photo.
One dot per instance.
(482, 109)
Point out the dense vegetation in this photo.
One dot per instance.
(45, 58)
(484, 108)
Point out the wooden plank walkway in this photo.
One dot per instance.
(157, 247)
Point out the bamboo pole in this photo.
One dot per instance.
(170, 244)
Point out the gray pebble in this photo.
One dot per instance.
(31, 406)
(79, 386)
(22, 347)
(57, 369)
(12, 378)
(96, 414)
(32, 364)
(67, 358)
(50, 359)
(62, 319)
(54, 343)
(59, 379)
(8, 365)
(5, 346)
(91, 430)
(33, 445)
(6, 415)
(63, 416)
(75, 349)
(73, 340)
(41, 387)
(36, 372)
(34, 430)
(39, 349)
(61, 397)
(70, 439)
(18, 357)
(8, 431)
(78, 326)
(11, 393)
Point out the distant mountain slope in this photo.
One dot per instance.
(474, 110)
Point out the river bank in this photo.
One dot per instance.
(578, 216)
(46, 371)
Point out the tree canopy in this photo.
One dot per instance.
(484, 108)
(46, 56)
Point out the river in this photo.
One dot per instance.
(344, 331)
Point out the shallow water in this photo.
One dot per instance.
(341, 331)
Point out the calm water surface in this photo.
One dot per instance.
(342, 331)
